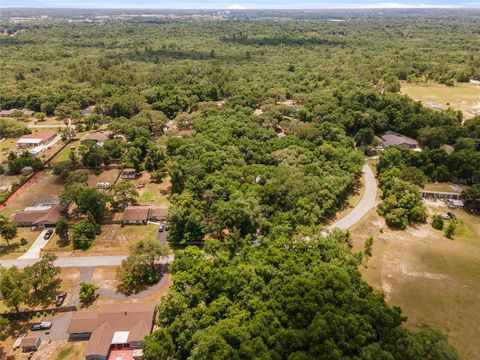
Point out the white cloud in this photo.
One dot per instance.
(236, 7)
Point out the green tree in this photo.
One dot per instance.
(437, 222)
(44, 280)
(139, 267)
(8, 230)
(87, 293)
(61, 229)
(124, 192)
(450, 229)
(472, 198)
(14, 288)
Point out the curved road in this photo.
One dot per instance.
(367, 202)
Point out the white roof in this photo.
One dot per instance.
(37, 208)
(29, 141)
(120, 337)
(456, 202)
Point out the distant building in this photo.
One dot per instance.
(455, 203)
(140, 215)
(114, 327)
(88, 111)
(97, 137)
(36, 140)
(9, 113)
(392, 138)
(29, 344)
(39, 216)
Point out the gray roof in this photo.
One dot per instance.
(393, 138)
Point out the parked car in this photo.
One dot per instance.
(451, 215)
(140, 186)
(48, 234)
(161, 228)
(17, 342)
(60, 298)
(44, 325)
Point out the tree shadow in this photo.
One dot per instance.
(6, 249)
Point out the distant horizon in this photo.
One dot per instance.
(236, 5)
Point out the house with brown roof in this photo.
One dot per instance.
(141, 214)
(115, 326)
(29, 344)
(9, 113)
(39, 216)
(34, 140)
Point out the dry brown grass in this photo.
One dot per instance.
(434, 280)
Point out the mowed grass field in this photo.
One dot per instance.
(464, 97)
(436, 281)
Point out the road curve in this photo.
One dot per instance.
(367, 202)
(76, 261)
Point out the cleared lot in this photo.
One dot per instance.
(464, 97)
(434, 280)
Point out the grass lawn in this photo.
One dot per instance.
(15, 249)
(63, 155)
(464, 97)
(156, 194)
(434, 280)
(114, 240)
(446, 187)
(70, 351)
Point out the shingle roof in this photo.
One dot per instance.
(29, 341)
(143, 212)
(136, 318)
(43, 216)
(40, 136)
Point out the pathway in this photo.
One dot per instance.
(34, 251)
(368, 202)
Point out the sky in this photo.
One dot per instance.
(240, 4)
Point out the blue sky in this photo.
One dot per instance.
(240, 4)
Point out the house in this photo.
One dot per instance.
(29, 344)
(140, 215)
(114, 327)
(39, 216)
(88, 111)
(455, 203)
(9, 113)
(128, 174)
(36, 140)
(97, 137)
(393, 138)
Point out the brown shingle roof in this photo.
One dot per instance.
(136, 213)
(143, 212)
(98, 136)
(35, 217)
(29, 341)
(137, 318)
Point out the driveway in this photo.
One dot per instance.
(34, 251)
(368, 201)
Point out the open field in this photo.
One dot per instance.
(434, 280)
(63, 155)
(104, 176)
(44, 187)
(114, 240)
(152, 193)
(464, 97)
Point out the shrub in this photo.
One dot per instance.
(87, 293)
(450, 230)
(23, 241)
(437, 222)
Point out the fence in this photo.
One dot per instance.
(24, 315)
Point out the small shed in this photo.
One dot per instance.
(128, 174)
(29, 344)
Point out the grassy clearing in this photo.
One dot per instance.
(16, 249)
(63, 155)
(464, 97)
(434, 280)
(114, 240)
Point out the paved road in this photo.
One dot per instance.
(367, 202)
(34, 251)
(76, 261)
